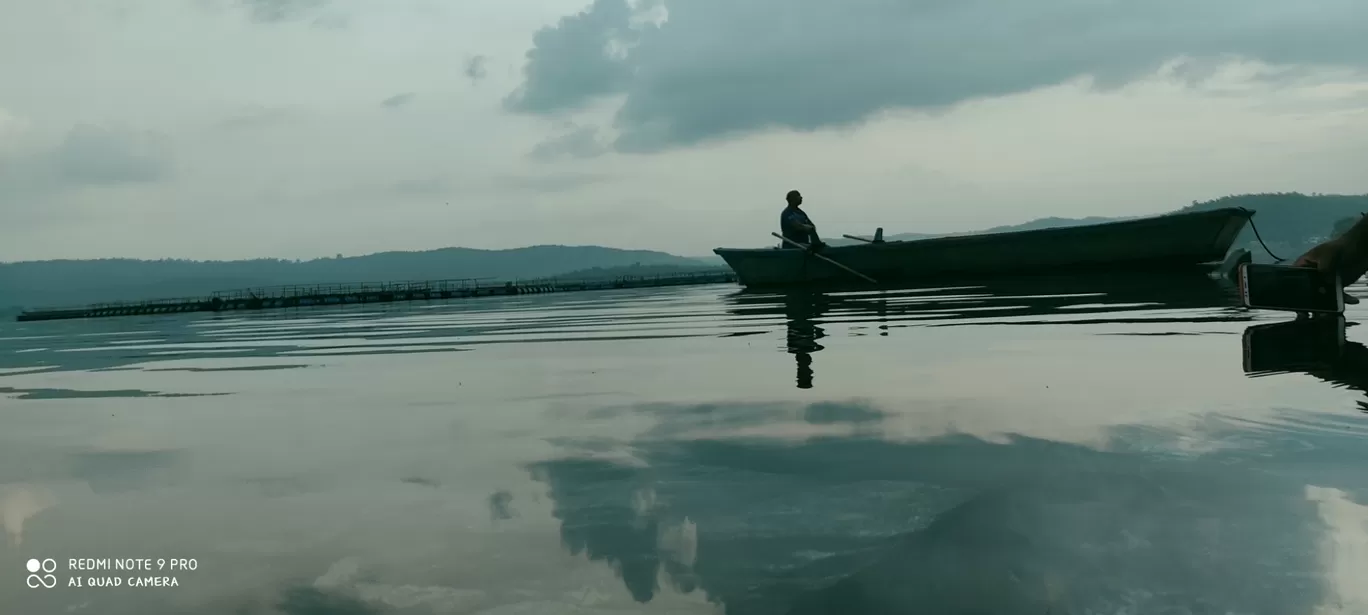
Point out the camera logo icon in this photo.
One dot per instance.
(45, 580)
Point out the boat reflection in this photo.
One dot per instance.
(1314, 346)
(1030, 300)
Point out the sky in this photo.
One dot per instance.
(226, 129)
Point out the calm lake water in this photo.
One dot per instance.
(1087, 446)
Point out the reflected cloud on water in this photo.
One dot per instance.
(953, 524)
(971, 497)
(856, 521)
(958, 524)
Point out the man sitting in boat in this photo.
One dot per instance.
(795, 225)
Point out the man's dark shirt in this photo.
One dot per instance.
(789, 222)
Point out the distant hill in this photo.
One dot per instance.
(1038, 223)
(1051, 222)
(76, 282)
(1290, 222)
(711, 260)
(609, 273)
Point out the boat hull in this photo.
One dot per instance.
(1161, 243)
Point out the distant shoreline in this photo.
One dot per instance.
(1290, 222)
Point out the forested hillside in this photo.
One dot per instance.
(71, 282)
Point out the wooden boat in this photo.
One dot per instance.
(1169, 242)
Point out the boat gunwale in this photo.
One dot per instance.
(970, 237)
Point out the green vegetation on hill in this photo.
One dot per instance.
(1344, 225)
(1290, 222)
(77, 282)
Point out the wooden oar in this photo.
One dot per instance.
(809, 250)
(878, 237)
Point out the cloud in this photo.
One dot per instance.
(551, 182)
(19, 503)
(259, 116)
(276, 11)
(577, 142)
(419, 187)
(719, 68)
(428, 187)
(332, 22)
(12, 131)
(87, 156)
(398, 100)
(476, 69)
(95, 155)
(574, 62)
(501, 506)
(9, 123)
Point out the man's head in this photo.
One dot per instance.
(794, 199)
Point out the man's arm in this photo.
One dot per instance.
(1345, 256)
(811, 230)
(800, 223)
(1357, 234)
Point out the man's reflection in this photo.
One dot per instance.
(801, 311)
(1038, 300)
(1313, 346)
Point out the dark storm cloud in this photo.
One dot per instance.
(398, 100)
(97, 155)
(577, 142)
(572, 63)
(718, 68)
(501, 506)
(275, 11)
(476, 68)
